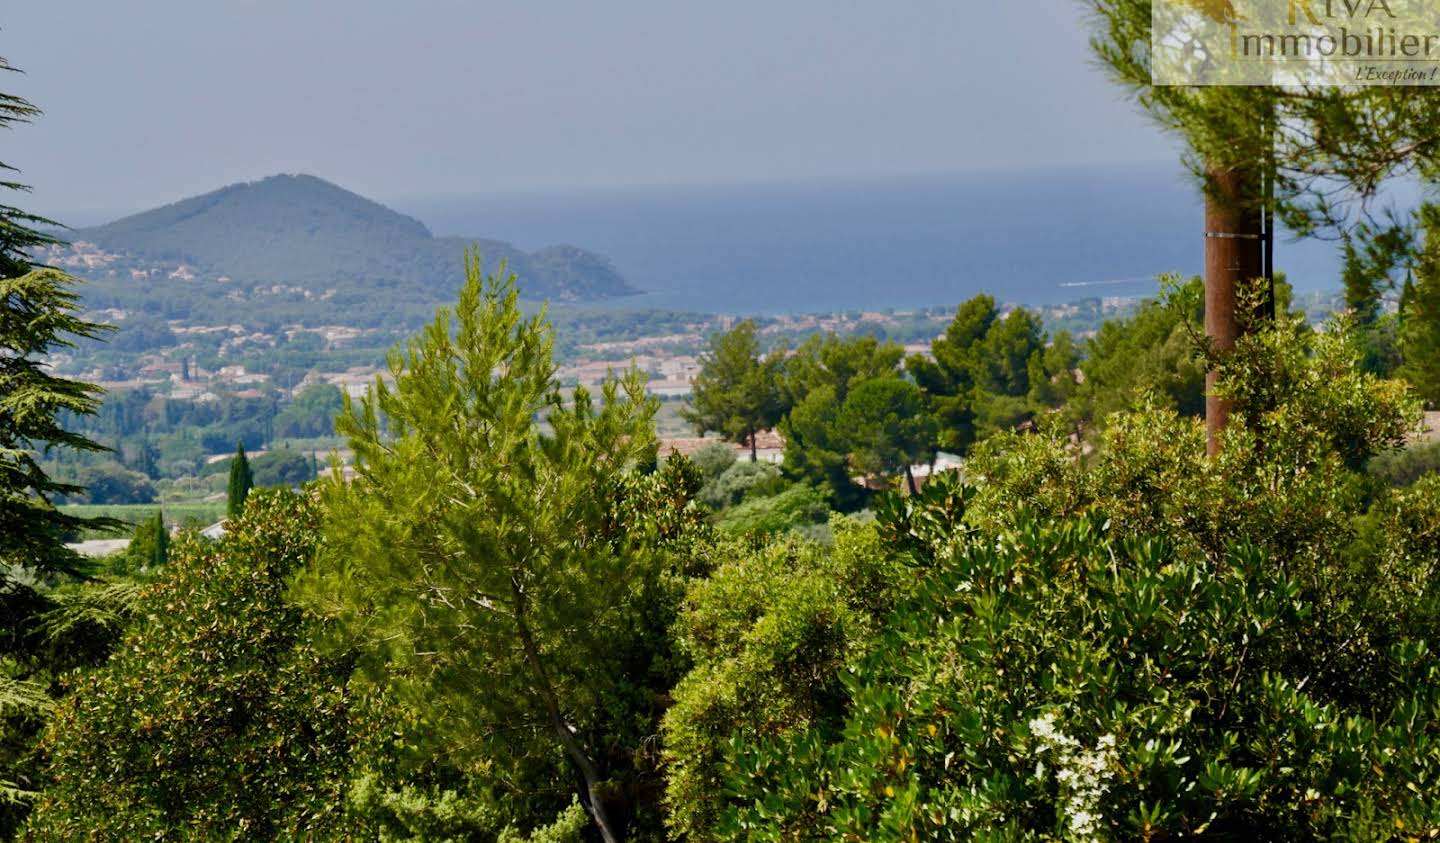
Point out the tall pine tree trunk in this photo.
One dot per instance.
(1234, 254)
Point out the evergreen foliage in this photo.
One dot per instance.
(887, 429)
(736, 392)
(770, 632)
(38, 312)
(1419, 335)
(1152, 645)
(1339, 148)
(216, 719)
(510, 581)
(978, 377)
(794, 508)
(242, 480)
(818, 380)
(1149, 355)
(39, 315)
(148, 551)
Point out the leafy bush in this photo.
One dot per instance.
(1065, 682)
(1149, 645)
(797, 506)
(736, 483)
(1405, 466)
(713, 460)
(768, 631)
(214, 719)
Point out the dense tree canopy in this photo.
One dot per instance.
(502, 576)
(216, 720)
(736, 393)
(1150, 645)
(885, 426)
(818, 380)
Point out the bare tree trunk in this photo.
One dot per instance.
(1234, 253)
(754, 446)
(910, 478)
(567, 738)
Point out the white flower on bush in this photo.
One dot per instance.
(1083, 774)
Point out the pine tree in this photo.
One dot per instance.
(1419, 337)
(241, 481)
(818, 379)
(886, 428)
(737, 393)
(496, 559)
(39, 313)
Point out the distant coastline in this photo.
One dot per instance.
(1029, 237)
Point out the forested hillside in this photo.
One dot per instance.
(303, 244)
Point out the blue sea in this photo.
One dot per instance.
(1032, 237)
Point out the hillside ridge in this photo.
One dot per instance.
(300, 229)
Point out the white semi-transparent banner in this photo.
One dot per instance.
(1295, 42)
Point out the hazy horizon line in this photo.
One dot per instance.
(75, 218)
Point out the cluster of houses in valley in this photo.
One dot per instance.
(669, 374)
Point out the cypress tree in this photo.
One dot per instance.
(241, 480)
(1420, 338)
(160, 544)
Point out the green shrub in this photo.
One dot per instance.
(1061, 682)
(1147, 644)
(768, 632)
(1405, 466)
(736, 482)
(215, 719)
(713, 460)
(797, 506)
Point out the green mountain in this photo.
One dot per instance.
(298, 235)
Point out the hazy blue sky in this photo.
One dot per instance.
(148, 101)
